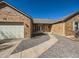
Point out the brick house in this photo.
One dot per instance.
(67, 25)
(14, 23)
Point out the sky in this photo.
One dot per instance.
(52, 9)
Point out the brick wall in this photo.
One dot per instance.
(8, 14)
(58, 29)
(69, 25)
(65, 28)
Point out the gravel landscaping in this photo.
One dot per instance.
(63, 48)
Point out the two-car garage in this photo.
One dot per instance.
(10, 30)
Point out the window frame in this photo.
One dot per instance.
(74, 28)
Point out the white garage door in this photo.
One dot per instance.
(11, 30)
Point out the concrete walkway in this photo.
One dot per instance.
(36, 50)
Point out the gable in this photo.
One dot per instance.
(66, 18)
(7, 11)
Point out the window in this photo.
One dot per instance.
(75, 26)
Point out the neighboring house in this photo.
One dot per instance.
(66, 26)
(14, 23)
(42, 25)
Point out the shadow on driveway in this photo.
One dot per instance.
(34, 41)
(38, 34)
(6, 41)
(4, 47)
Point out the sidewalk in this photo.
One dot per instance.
(36, 50)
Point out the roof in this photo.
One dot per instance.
(17, 9)
(67, 17)
(43, 21)
(51, 21)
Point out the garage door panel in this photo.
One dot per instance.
(11, 31)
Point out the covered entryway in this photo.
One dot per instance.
(37, 28)
(10, 30)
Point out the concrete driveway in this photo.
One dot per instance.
(32, 48)
(63, 48)
(45, 46)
